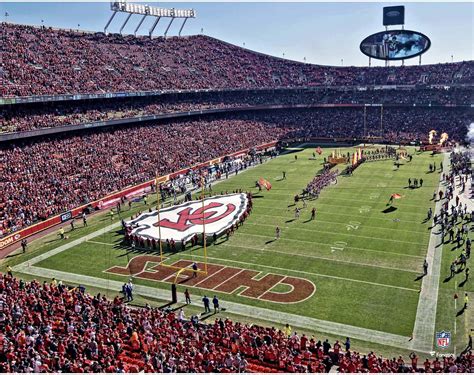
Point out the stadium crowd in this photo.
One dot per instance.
(397, 124)
(43, 61)
(48, 176)
(48, 327)
(45, 115)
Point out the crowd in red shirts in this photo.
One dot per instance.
(394, 124)
(48, 327)
(43, 61)
(21, 117)
(49, 176)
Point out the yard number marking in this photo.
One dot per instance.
(338, 246)
(353, 225)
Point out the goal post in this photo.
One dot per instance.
(162, 263)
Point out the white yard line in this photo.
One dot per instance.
(304, 272)
(350, 233)
(318, 257)
(376, 201)
(347, 215)
(320, 202)
(345, 223)
(327, 232)
(102, 243)
(358, 248)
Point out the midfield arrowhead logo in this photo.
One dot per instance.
(183, 221)
(189, 217)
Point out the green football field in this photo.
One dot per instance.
(364, 260)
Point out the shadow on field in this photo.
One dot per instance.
(13, 255)
(205, 316)
(289, 152)
(270, 241)
(166, 305)
(446, 280)
(178, 307)
(462, 283)
(389, 210)
(460, 312)
(420, 277)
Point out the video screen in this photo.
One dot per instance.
(395, 45)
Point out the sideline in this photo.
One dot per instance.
(425, 321)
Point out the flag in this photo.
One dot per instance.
(266, 184)
(392, 197)
(319, 151)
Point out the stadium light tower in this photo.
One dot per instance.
(145, 11)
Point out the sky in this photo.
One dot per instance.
(323, 33)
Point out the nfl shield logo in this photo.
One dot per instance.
(443, 339)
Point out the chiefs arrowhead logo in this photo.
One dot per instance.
(183, 221)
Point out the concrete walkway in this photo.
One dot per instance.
(424, 329)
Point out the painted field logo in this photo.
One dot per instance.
(221, 278)
(185, 220)
(443, 339)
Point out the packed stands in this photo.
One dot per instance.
(48, 327)
(45, 115)
(398, 123)
(43, 61)
(82, 168)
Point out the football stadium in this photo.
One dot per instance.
(175, 202)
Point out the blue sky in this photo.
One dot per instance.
(324, 33)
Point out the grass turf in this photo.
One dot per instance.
(362, 261)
